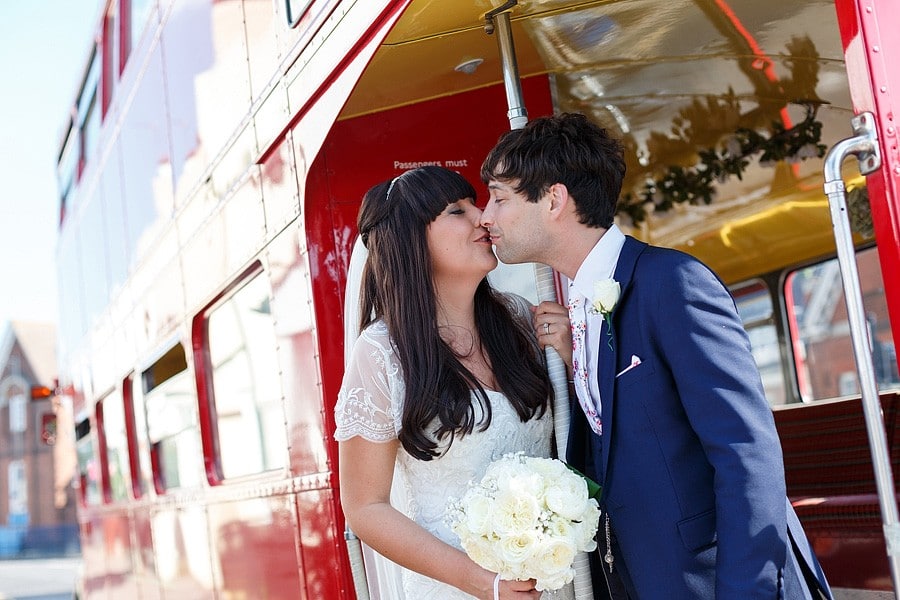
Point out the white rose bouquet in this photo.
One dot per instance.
(527, 519)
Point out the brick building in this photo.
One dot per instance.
(33, 521)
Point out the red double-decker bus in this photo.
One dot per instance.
(211, 172)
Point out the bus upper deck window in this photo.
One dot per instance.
(136, 15)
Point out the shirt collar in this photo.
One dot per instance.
(600, 263)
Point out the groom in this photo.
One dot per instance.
(673, 421)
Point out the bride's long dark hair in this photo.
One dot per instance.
(398, 288)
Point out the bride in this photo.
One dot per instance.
(446, 377)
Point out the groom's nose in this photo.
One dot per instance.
(487, 214)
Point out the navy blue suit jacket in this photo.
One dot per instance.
(689, 460)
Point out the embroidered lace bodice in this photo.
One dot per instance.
(370, 405)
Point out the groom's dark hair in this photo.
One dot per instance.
(568, 149)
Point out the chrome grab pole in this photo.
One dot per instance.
(357, 564)
(543, 275)
(864, 145)
(499, 19)
(351, 332)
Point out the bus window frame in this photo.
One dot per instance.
(136, 478)
(770, 283)
(204, 378)
(160, 486)
(103, 448)
(793, 344)
(292, 20)
(109, 50)
(84, 433)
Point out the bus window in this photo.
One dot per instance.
(116, 445)
(88, 113)
(245, 391)
(820, 332)
(754, 305)
(171, 406)
(67, 166)
(88, 470)
(295, 10)
(110, 51)
(135, 421)
(135, 16)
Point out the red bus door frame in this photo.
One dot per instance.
(871, 46)
(868, 54)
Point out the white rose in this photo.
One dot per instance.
(560, 527)
(478, 514)
(587, 528)
(519, 477)
(567, 496)
(606, 294)
(514, 513)
(484, 553)
(548, 468)
(504, 468)
(551, 563)
(517, 549)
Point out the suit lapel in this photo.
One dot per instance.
(608, 352)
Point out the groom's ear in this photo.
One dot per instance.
(560, 200)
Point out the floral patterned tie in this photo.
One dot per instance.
(580, 372)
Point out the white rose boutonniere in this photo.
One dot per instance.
(606, 296)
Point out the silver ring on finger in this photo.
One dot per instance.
(547, 328)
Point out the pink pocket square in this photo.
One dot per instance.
(635, 362)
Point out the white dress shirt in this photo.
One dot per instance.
(599, 264)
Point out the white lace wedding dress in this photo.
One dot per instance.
(369, 405)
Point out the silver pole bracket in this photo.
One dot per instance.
(863, 145)
(489, 16)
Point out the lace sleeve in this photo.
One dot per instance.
(368, 403)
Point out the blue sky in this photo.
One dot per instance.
(43, 48)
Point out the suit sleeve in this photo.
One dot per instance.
(708, 353)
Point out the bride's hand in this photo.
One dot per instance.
(518, 590)
(552, 327)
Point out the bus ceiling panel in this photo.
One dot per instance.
(424, 69)
(753, 45)
(672, 78)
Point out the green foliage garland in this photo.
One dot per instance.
(696, 184)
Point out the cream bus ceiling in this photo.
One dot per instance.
(669, 76)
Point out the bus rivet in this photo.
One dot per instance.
(875, 48)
